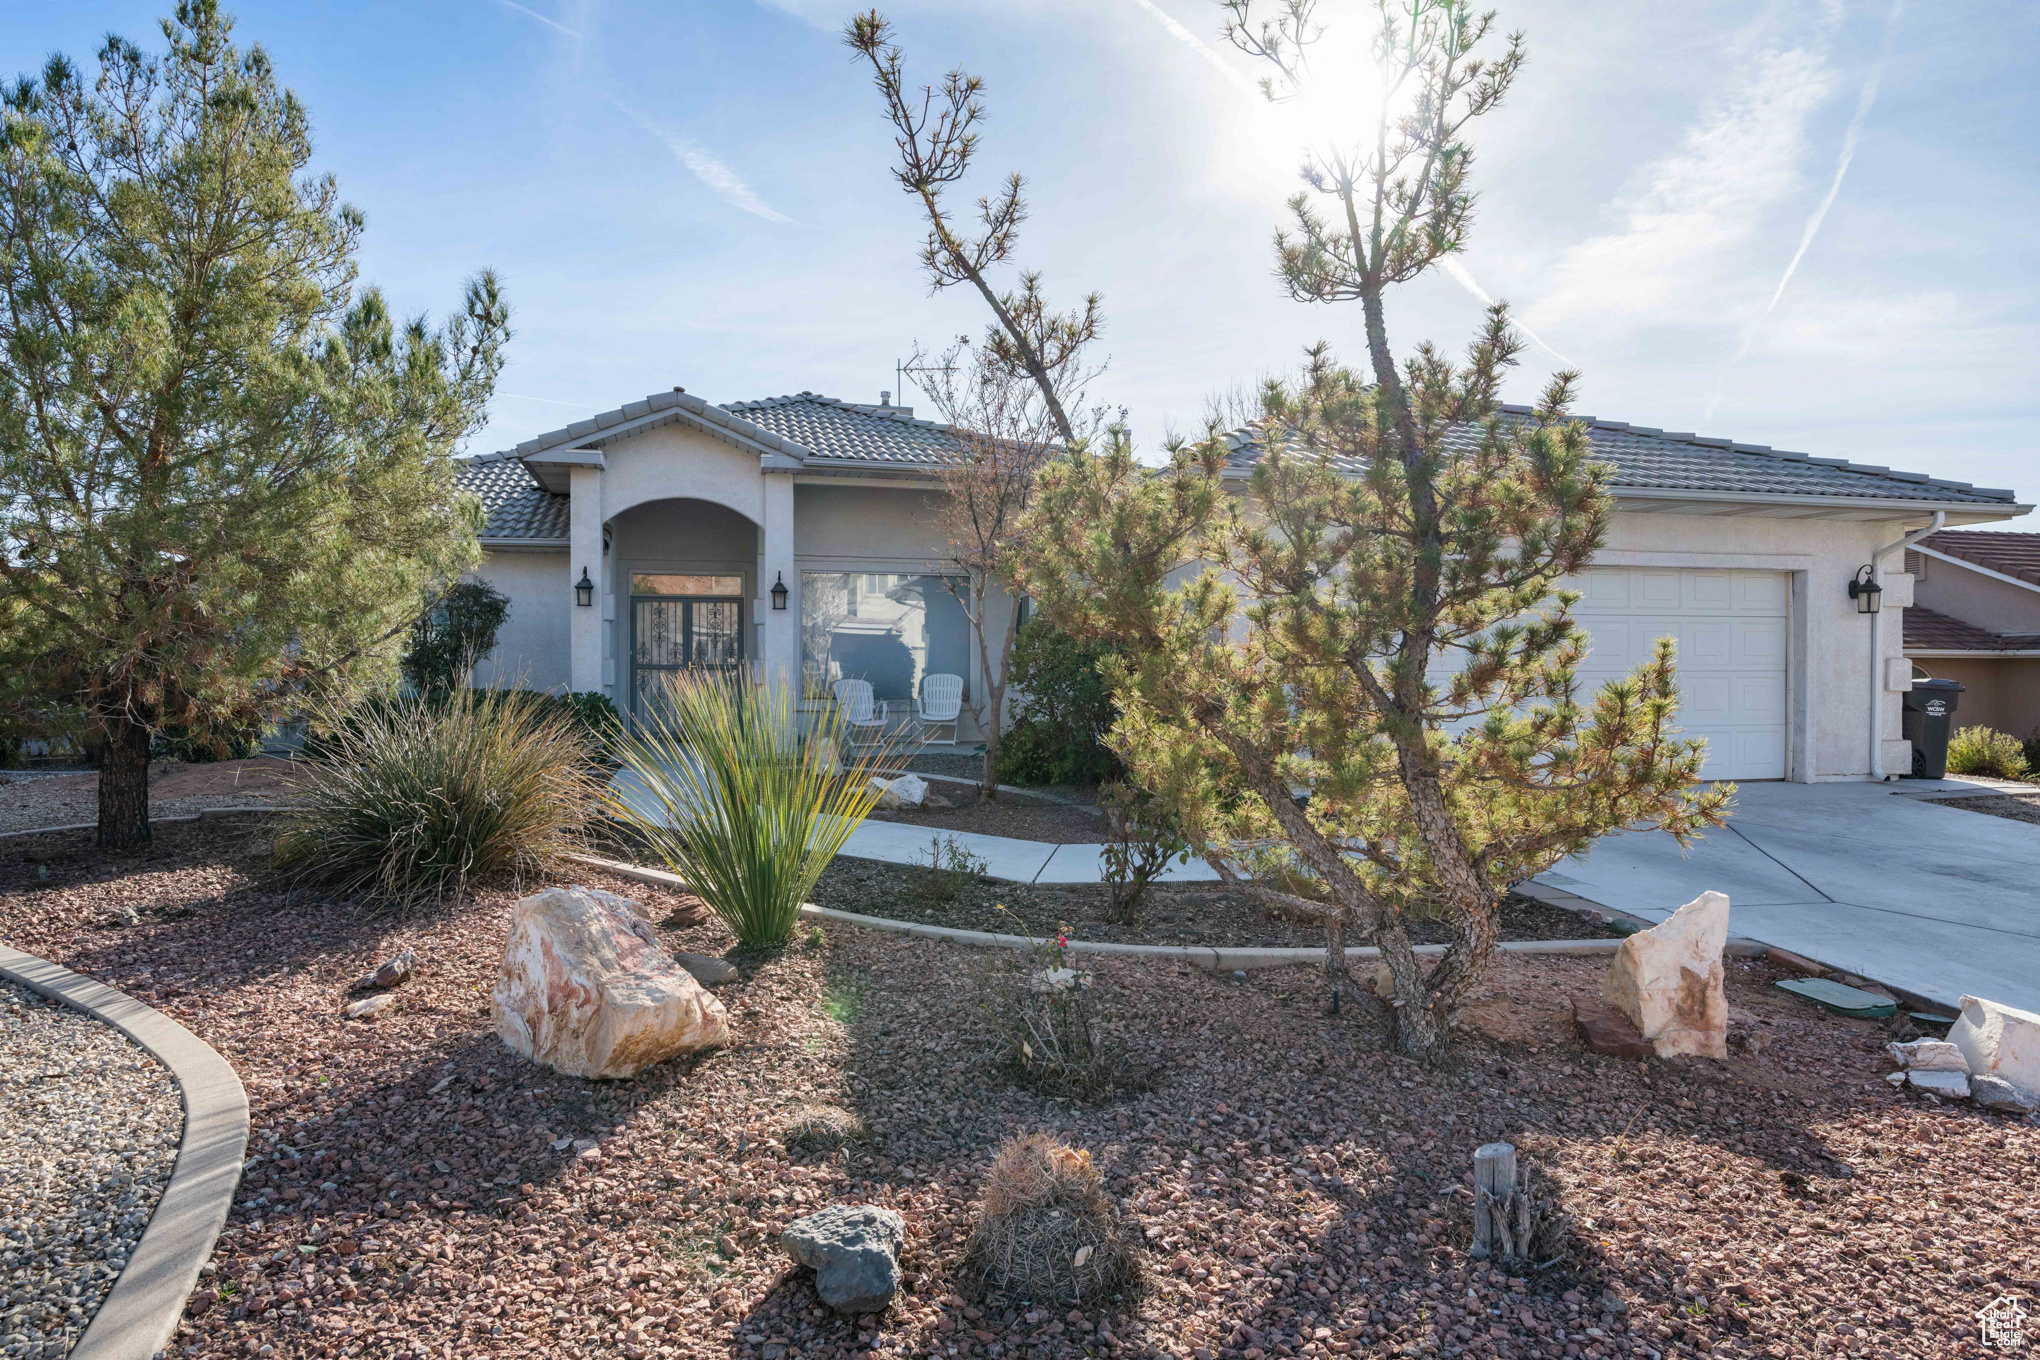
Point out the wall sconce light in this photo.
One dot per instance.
(1868, 595)
(584, 589)
(779, 591)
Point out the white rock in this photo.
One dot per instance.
(1667, 980)
(907, 791)
(1951, 1085)
(1895, 1078)
(1999, 1041)
(369, 1005)
(586, 989)
(1928, 1055)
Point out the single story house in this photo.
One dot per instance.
(1976, 620)
(656, 537)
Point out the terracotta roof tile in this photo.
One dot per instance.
(1927, 630)
(2014, 555)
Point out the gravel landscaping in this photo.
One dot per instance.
(89, 1126)
(28, 801)
(2018, 807)
(1169, 914)
(1014, 815)
(415, 1191)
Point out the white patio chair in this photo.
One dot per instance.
(863, 716)
(940, 703)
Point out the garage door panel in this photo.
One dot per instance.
(1709, 592)
(1731, 631)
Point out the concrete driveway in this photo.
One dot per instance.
(1869, 878)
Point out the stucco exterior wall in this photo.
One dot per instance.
(1828, 678)
(1998, 606)
(531, 646)
(2000, 692)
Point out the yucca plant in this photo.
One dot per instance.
(415, 798)
(729, 791)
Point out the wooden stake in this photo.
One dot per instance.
(1494, 1189)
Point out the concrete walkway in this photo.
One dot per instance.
(1865, 877)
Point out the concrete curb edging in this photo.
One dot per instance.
(153, 821)
(141, 1312)
(1217, 958)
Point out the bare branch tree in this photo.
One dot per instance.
(1013, 399)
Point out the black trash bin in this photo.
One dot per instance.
(1929, 717)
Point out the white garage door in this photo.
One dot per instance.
(1731, 631)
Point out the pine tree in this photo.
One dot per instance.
(1351, 670)
(227, 472)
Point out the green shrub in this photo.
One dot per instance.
(1058, 734)
(2030, 748)
(414, 799)
(1984, 751)
(735, 798)
(458, 630)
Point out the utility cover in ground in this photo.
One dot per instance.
(1832, 995)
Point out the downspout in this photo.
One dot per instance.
(1877, 645)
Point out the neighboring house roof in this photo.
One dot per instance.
(812, 429)
(514, 505)
(1929, 631)
(2013, 555)
(1648, 459)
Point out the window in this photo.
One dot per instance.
(669, 583)
(888, 628)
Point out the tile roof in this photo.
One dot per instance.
(1648, 459)
(832, 429)
(2014, 555)
(514, 505)
(814, 428)
(1927, 630)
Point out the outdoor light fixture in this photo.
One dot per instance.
(584, 589)
(1865, 591)
(779, 591)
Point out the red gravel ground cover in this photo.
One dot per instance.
(1301, 1193)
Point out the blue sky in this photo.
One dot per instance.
(694, 194)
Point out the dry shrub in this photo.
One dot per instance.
(1046, 1230)
(822, 1128)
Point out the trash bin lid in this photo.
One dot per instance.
(1945, 686)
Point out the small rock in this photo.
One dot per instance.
(854, 1250)
(1928, 1055)
(1995, 1093)
(391, 973)
(935, 802)
(122, 914)
(1239, 975)
(1949, 1085)
(1603, 1029)
(706, 968)
(1895, 1078)
(908, 791)
(369, 1005)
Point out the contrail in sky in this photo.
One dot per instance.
(1239, 79)
(1458, 271)
(549, 23)
(725, 183)
(1198, 45)
(1864, 102)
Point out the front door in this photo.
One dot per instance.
(673, 633)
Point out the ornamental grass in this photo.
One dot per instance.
(414, 799)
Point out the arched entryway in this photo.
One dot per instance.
(683, 576)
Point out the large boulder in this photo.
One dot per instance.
(854, 1250)
(1667, 980)
(1999, 1041)
(586, 989)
